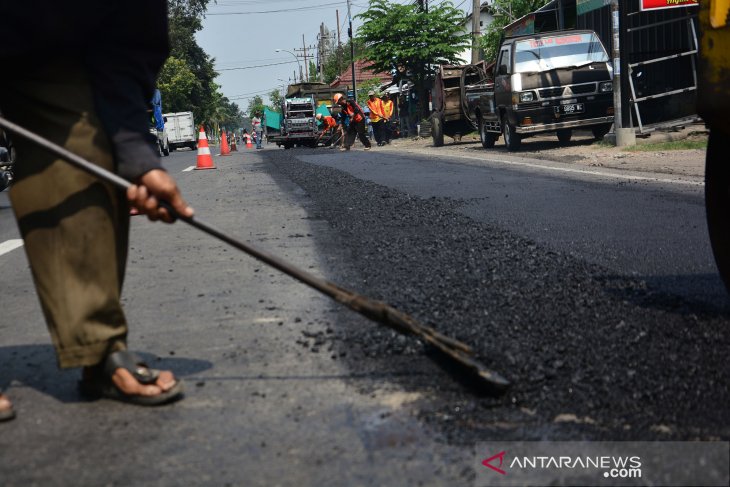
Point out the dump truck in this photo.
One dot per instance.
(298, 123)
(298, 110)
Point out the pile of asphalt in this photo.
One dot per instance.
(590, 354)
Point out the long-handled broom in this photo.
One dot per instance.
(379, 312)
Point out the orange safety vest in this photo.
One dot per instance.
(329, 122)
(353, 111)
(388, 109)
(376, 109)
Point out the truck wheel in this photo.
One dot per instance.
(488, 139)
(437, 131)
(193, 146)
(564, 135)
(600, 131)
(512, 139)
(717, 200)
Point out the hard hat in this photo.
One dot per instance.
(372, 93)
(336, 98)
(318, 116)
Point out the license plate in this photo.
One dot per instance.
(570, 108)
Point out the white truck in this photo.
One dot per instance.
(181, 130)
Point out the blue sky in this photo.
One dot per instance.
(242, 36)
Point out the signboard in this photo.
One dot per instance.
(585, 6)
(523, 26)
(661, 4)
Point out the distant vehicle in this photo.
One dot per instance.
(456, 89)
(298, 123)
(180, 130)
(299, 126)
(157, 124)
(7, 158)
(550, 82)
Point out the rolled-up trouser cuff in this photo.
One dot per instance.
(88, 355)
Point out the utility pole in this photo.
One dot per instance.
(339, 40)
(624, 136)
(306, 64)
(321, 50)
(352, 52)
(476, 14)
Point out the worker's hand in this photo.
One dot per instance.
(152, 187)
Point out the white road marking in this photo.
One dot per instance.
(266, 320)
(10, 245)
(188, 169)
(601, 173)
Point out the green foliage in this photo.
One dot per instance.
(255, 104)
(402, 38)
(407, 41)
(338, 60)
(671, 145)
(176, 82)
(363, 89)
(201, 97)
(505, 12)
(275, 98)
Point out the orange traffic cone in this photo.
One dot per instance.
(248, 142)
(205, 161)
(233, 143)
(225, 151)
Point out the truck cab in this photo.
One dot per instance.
(552, 82)
(298, 124)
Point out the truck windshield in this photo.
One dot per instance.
(562, 51)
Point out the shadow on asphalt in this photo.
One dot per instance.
(35, 366)
(687, 294)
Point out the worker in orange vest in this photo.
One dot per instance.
(328, 123)
(388, 115)
(377, 117)
(357, 121)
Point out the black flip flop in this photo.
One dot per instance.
(100, 384)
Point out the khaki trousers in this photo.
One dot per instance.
(75, 227)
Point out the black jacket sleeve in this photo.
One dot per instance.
(123, 44)
(123, 66)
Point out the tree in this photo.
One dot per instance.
(275, 99)
(408, 41)
(337, 60)
(505, 12)
(255, 104)
(176, 82)
(366, 86)
(185, 19)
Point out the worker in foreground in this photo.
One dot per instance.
(89, 94)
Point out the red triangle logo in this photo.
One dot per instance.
(488, 462)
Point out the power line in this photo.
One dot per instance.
(291, 9)
(256, 66)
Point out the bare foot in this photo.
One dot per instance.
(6, 408)
(128, 385)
